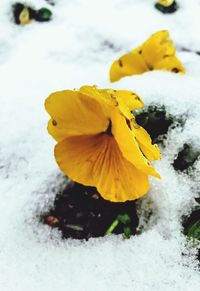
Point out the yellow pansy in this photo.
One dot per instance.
(24, 17)
(99, 142)
(157, 53)
(166, 3)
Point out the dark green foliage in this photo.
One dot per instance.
(17, 9)
(156, 121)
(167, 10)
(127, 232)
(186, 158)
(191, 225)
(125, 218)
(194, 231)
(43, 14)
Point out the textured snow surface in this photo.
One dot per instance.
(71, 50)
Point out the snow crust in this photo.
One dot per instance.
(71, 50)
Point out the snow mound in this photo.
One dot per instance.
(76, 48)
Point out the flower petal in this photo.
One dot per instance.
(97, 161)
(157, 47)
(58, 133)
(170, 64)
(124, 99)
(75, 113)
(127, 102)
(102, 96)
(151, 152)
(129, 64)
(129, 146)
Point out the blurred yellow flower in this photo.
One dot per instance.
(24, 17)
(99, 142)
(157, 53)
(166, 3)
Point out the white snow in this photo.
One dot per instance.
(66, 53)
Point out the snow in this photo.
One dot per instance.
(66, 53)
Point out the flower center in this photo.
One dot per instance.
(109, 128)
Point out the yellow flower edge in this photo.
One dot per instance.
(157, 53)
(99, 142)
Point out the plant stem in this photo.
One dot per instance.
(112, 227)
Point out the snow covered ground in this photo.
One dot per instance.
(71, 50)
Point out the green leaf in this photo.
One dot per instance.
(127, 232)
(43, 15)
(124, 218)
(194, 231)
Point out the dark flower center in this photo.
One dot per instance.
(109, 128)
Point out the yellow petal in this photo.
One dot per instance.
(156, 48)
(24, 17)
(159, 53)
(75, 113)
(166, 3)
(97, 161)
(127, 102)
(92, 91)
(116, 72)
(128, 145)
(102, 96)
(170, 64)
(57, 132)
(150, 151)
(127, 65)
(75, 156)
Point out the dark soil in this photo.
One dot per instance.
(80, 213)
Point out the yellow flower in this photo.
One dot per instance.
(166, 3)
(24, 16)
(99, 142)
(157, 53)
